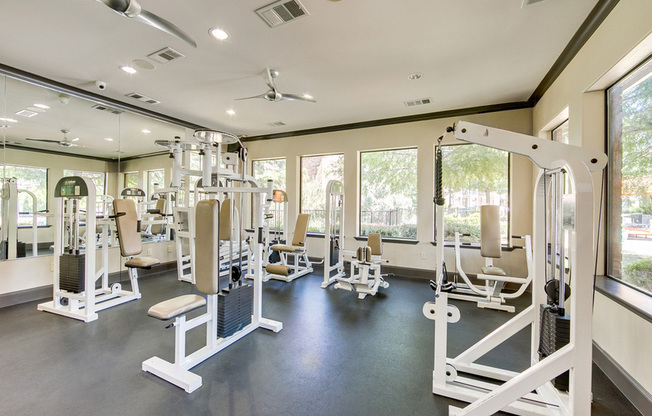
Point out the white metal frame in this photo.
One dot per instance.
(514, 394)
(368, 278)
(85, 305)
(178, 373)
(9, 230)
(334, 220)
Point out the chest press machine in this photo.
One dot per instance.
(531, 391)
(230, 313)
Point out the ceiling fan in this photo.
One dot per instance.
(275, 95)
(65, 142)
(132, 10)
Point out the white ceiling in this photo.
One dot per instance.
(353, 56)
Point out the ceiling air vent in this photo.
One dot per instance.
(277, 124)
(165, 55)
(143, 98)
(282, 12)
(421, 101)
(107, 108)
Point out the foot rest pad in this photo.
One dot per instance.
(278, 269)
(174, 307)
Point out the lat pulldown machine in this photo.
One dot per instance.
(531, 391)
(334, 227)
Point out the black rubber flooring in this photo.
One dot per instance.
(336, 355)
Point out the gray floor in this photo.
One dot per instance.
(336, 355)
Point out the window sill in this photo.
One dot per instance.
(636, 301)
(474, 246)
(393, 240)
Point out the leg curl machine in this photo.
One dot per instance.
(531, 391)
(283, 270)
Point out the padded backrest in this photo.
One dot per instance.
(490, 231)
(300, 230)
(225, 220)
(127, 225)
(207, 214)
(376, 243)
(160, 205)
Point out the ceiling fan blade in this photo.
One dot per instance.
(133, 10)
(43, 140)
(162, 24)
(294, 97)
(263, 96)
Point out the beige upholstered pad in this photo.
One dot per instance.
(128, 235)
(493, 270)
(375, 241)
(225, 220)
(174, 307)
(300, 230)
(142, 262)
(278, 269)
(490, 231)
(281, 247)
(207, 214)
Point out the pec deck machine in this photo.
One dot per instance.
(490, 389)
(231, 312)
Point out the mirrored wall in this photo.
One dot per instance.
(48, 134)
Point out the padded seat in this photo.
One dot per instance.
(174, 307)
(142, 262)
(286, 249)
(493, 270)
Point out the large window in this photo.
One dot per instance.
(99, 180)
(388, 193)
(560, 134)
(131, 180)
(316, 171)
(34, 180)
(274, 169)
(155, 180)
(630, 179)
(472, 176)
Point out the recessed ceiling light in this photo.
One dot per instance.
(230, 112)
(108, 139)
(36, 109)
(26, 113)
(146, 131)
(415, 76)
(128, 69)
(9, 120)
(218, 34)
(76, 139)
(43, 106)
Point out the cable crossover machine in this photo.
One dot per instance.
(538, 389)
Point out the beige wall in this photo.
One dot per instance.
(621, 42)
(422, 135)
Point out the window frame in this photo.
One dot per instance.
(316, 233)
(609, 183)
(359, 235)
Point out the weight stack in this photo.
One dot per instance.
(554, 334)
(4, 249)
(21, 249)
(72, 272)
(234, 309)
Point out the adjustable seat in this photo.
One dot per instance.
(282, 270)
(126, 222)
